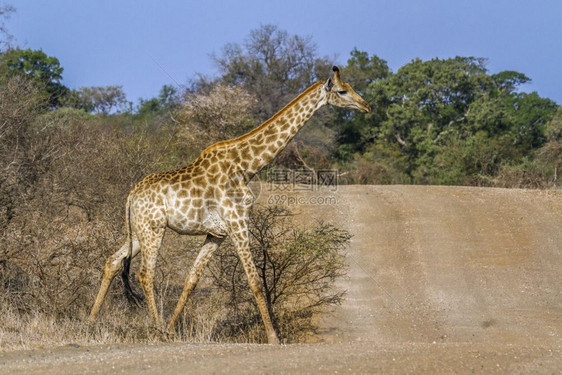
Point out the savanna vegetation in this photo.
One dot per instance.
(69, 156)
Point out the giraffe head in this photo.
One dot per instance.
(341, 94)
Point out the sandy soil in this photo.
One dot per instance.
(441, 280)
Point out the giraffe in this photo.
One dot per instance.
(211, 197)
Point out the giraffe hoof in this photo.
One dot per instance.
(273, 340)
(90, 326)
(159, 333)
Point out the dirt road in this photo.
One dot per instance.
(442, 280)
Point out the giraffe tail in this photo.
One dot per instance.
(132, 297)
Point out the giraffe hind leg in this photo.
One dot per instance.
(110, 270)
(150, 245)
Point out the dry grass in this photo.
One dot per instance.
(37, 314)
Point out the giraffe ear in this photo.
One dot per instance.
(336, 71)
(329, 84)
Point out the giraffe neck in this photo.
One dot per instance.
(258, 148)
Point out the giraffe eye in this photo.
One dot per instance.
(342, 92)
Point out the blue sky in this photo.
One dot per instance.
(115, 42)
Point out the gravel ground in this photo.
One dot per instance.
(441, 280)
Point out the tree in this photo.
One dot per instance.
(20, 102)
(166, 101)
(553, 129)
(354, 131)
(507, 81)
(224, 112)
(272, 65)
(529, 114)
(98, 99)
(424, 103)
(362, 70)
(5, 37)
(44, 70)
(550, 155)
(445, 121)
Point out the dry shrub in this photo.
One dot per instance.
(298, 268)
(541, 172)
(372, 172)
(378, 165)
(222, 113)
(527, 175)
(301, 156)
(20, 102)
(66, 175)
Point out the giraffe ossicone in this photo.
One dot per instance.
(211, 197)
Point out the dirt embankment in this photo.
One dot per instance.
(441, 280)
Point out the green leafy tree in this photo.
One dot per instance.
(554, 126)
(529, 115)
(167, 100)
(450, 121)
(45, 71)
(550, 155)
(507, 81)
(362, 70)
(353, 131)
(425, 103)
(98, 99)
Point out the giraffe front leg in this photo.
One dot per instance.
(112, 266)
(209, 246)
(242, 244)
